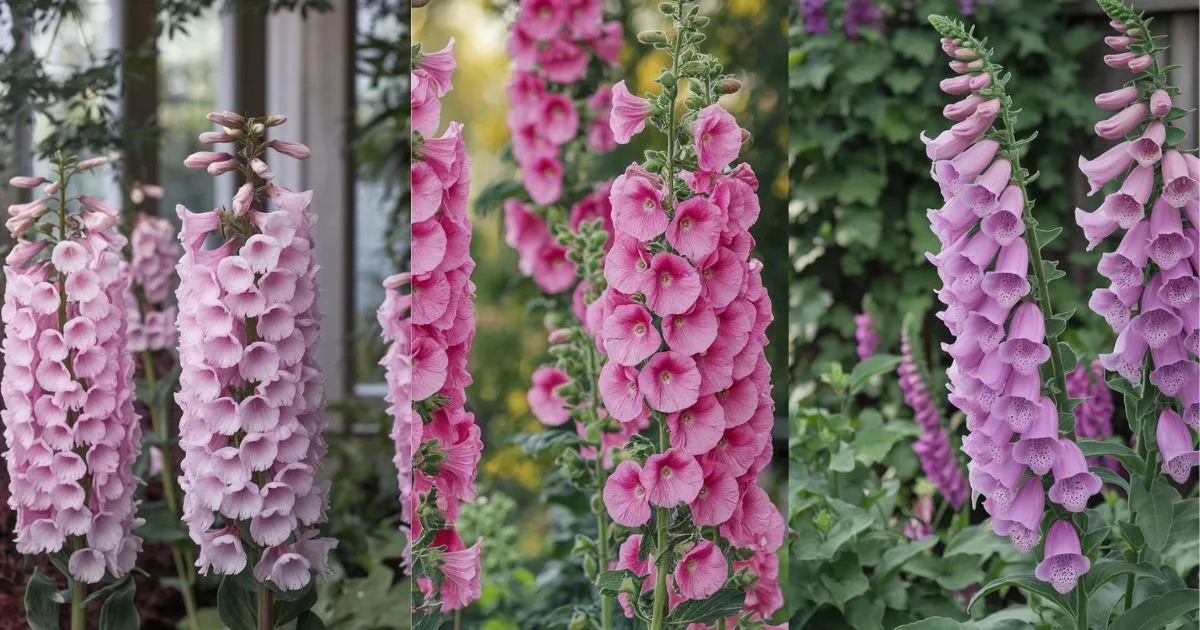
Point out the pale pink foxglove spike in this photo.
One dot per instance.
(291, 149)
(202, 159)
(226, 119)
(26, 181)
(1160, 103)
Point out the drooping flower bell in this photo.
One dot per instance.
(251, 392)
(71, 430)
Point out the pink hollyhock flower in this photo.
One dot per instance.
(630, 336)
(1064, 562)
(544, 401)
(695, 229)
(698, 428)
(717, 138)
(627, 265)
(620, 392)
(694, 331)
(674, 286)
(563, 61)
(671, 478)
(543, 19)
(701, 571)
(629, 113)
(460, 567)
(637, 207)
(670, 382)
(718, 497)
(438, 67)
(625, 496)
(543, 180)
(558, 121)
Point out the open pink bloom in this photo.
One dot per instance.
(543, 179)
(438, 68)
(674, 285)
(695, 330)
(461, 585)
(620, 391)
(670, 382)
(701, 571)
(1175, 444)
(1024, 518)
(558, 120)
(629, 113)
(717, 138)
(630, 336)
(545, 403)
(563, 61)
(637, 207)
(625, 496)
(718, 497)
(1064, 562)
(697, 429)
(695, 230)
(671, 478)
(627, 265)
(1074, 484)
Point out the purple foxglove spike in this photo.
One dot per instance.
(1115, 305)
(954, 173)
(1190, 397)
(1140, 63)
(1118, 99)
(945, 146)
(978, 122)
(1147, 150)
(1180, 185)
(1117, 42)
(981, 249)
(1172, 368)
(1063, 563)
(984, 194)
(1023, 521)
(1127, 206)
(1106, 166)
(1024, 349)
(965, 350)
(1021, 403)
(1118, 60)
(1193, 235)
(1180, 286)
(1167, 244)
(994, 372)
(1003, 474)
(1156, 323)
(1175, 444)
(956, 86)
(1126, 357)
(964, 108)
(1005, 224)
(1039, 446)
(979, 81)
(985, 333)
(953, 221)
(1123, 122)
(1074, 484)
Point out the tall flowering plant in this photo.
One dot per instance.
(69, 424)
(1009, 371)
(251, 392)
(436, 320)
(703, 534)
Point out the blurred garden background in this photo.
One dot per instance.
(525, 510)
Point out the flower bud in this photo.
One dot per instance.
(202, 159)
(220, 168)
(729, 86)
(291, 149)
(26, 181)
(91, 163)
(215, 137)
(226, 119)
(652, 37)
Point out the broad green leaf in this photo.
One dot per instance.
(874, 366)
(429, 620)
(843, 460)
(1175, 135)
(1105, 571)
(874, 438)
(865, 613)
(814, 545)
(289, 609)
(535, 443)
(1130, 460)
(1157, 611)
(310, 621)
(40, 608)
(1108, 476)
(725, 602)
(119, 611)
(610, 582)
(237, 605)
(1153, 511)
(160, 526)
(1027, 584)
(894, 558)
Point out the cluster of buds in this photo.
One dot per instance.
(938, 459)
(1153, 299)
(69, 420)
(1000, 338)
(557, 115)
(250, 390)
(436, 320)
(680, 277)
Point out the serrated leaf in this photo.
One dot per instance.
(1157, 611)
(1153, 511)
(609, 583)
(1069, 358)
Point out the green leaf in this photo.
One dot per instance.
(1175, 135)
(874, 366)
(1027, 584)
(874, 438)
(119, 612)
(894, 558)
(1130, 460)
(428, 620)
(101, 593)
(1153, 511)
(237, 605)
(310, 621)
(535, 443)
(1069, 358)
(1106, 571)
(843, 460)
(1045, 237)
(289, 609)
(915, 44)
(865, 613)
(1109, 477)
(160, 526)
(1157, 611)
(725, 602)
(40, 609)
(610, 582)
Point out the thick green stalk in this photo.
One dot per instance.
(266, 608)
(78, 608)
(1081, 610)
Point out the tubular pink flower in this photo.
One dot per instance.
(629, 113)
(71, 430)
(252, 407)
(153, 253)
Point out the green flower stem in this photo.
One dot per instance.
(78, 608)
(182, 559)
(1081, 610)
(266, 608)
(606, 607)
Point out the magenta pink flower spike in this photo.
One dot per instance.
(1064, 561)
(551, 45)
(154, 250)
(865, 335)
(251, 392)
(1152, 299)
(938, 460)
(428, 319)
(71, 430)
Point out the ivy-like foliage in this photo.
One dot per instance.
(858, 179)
